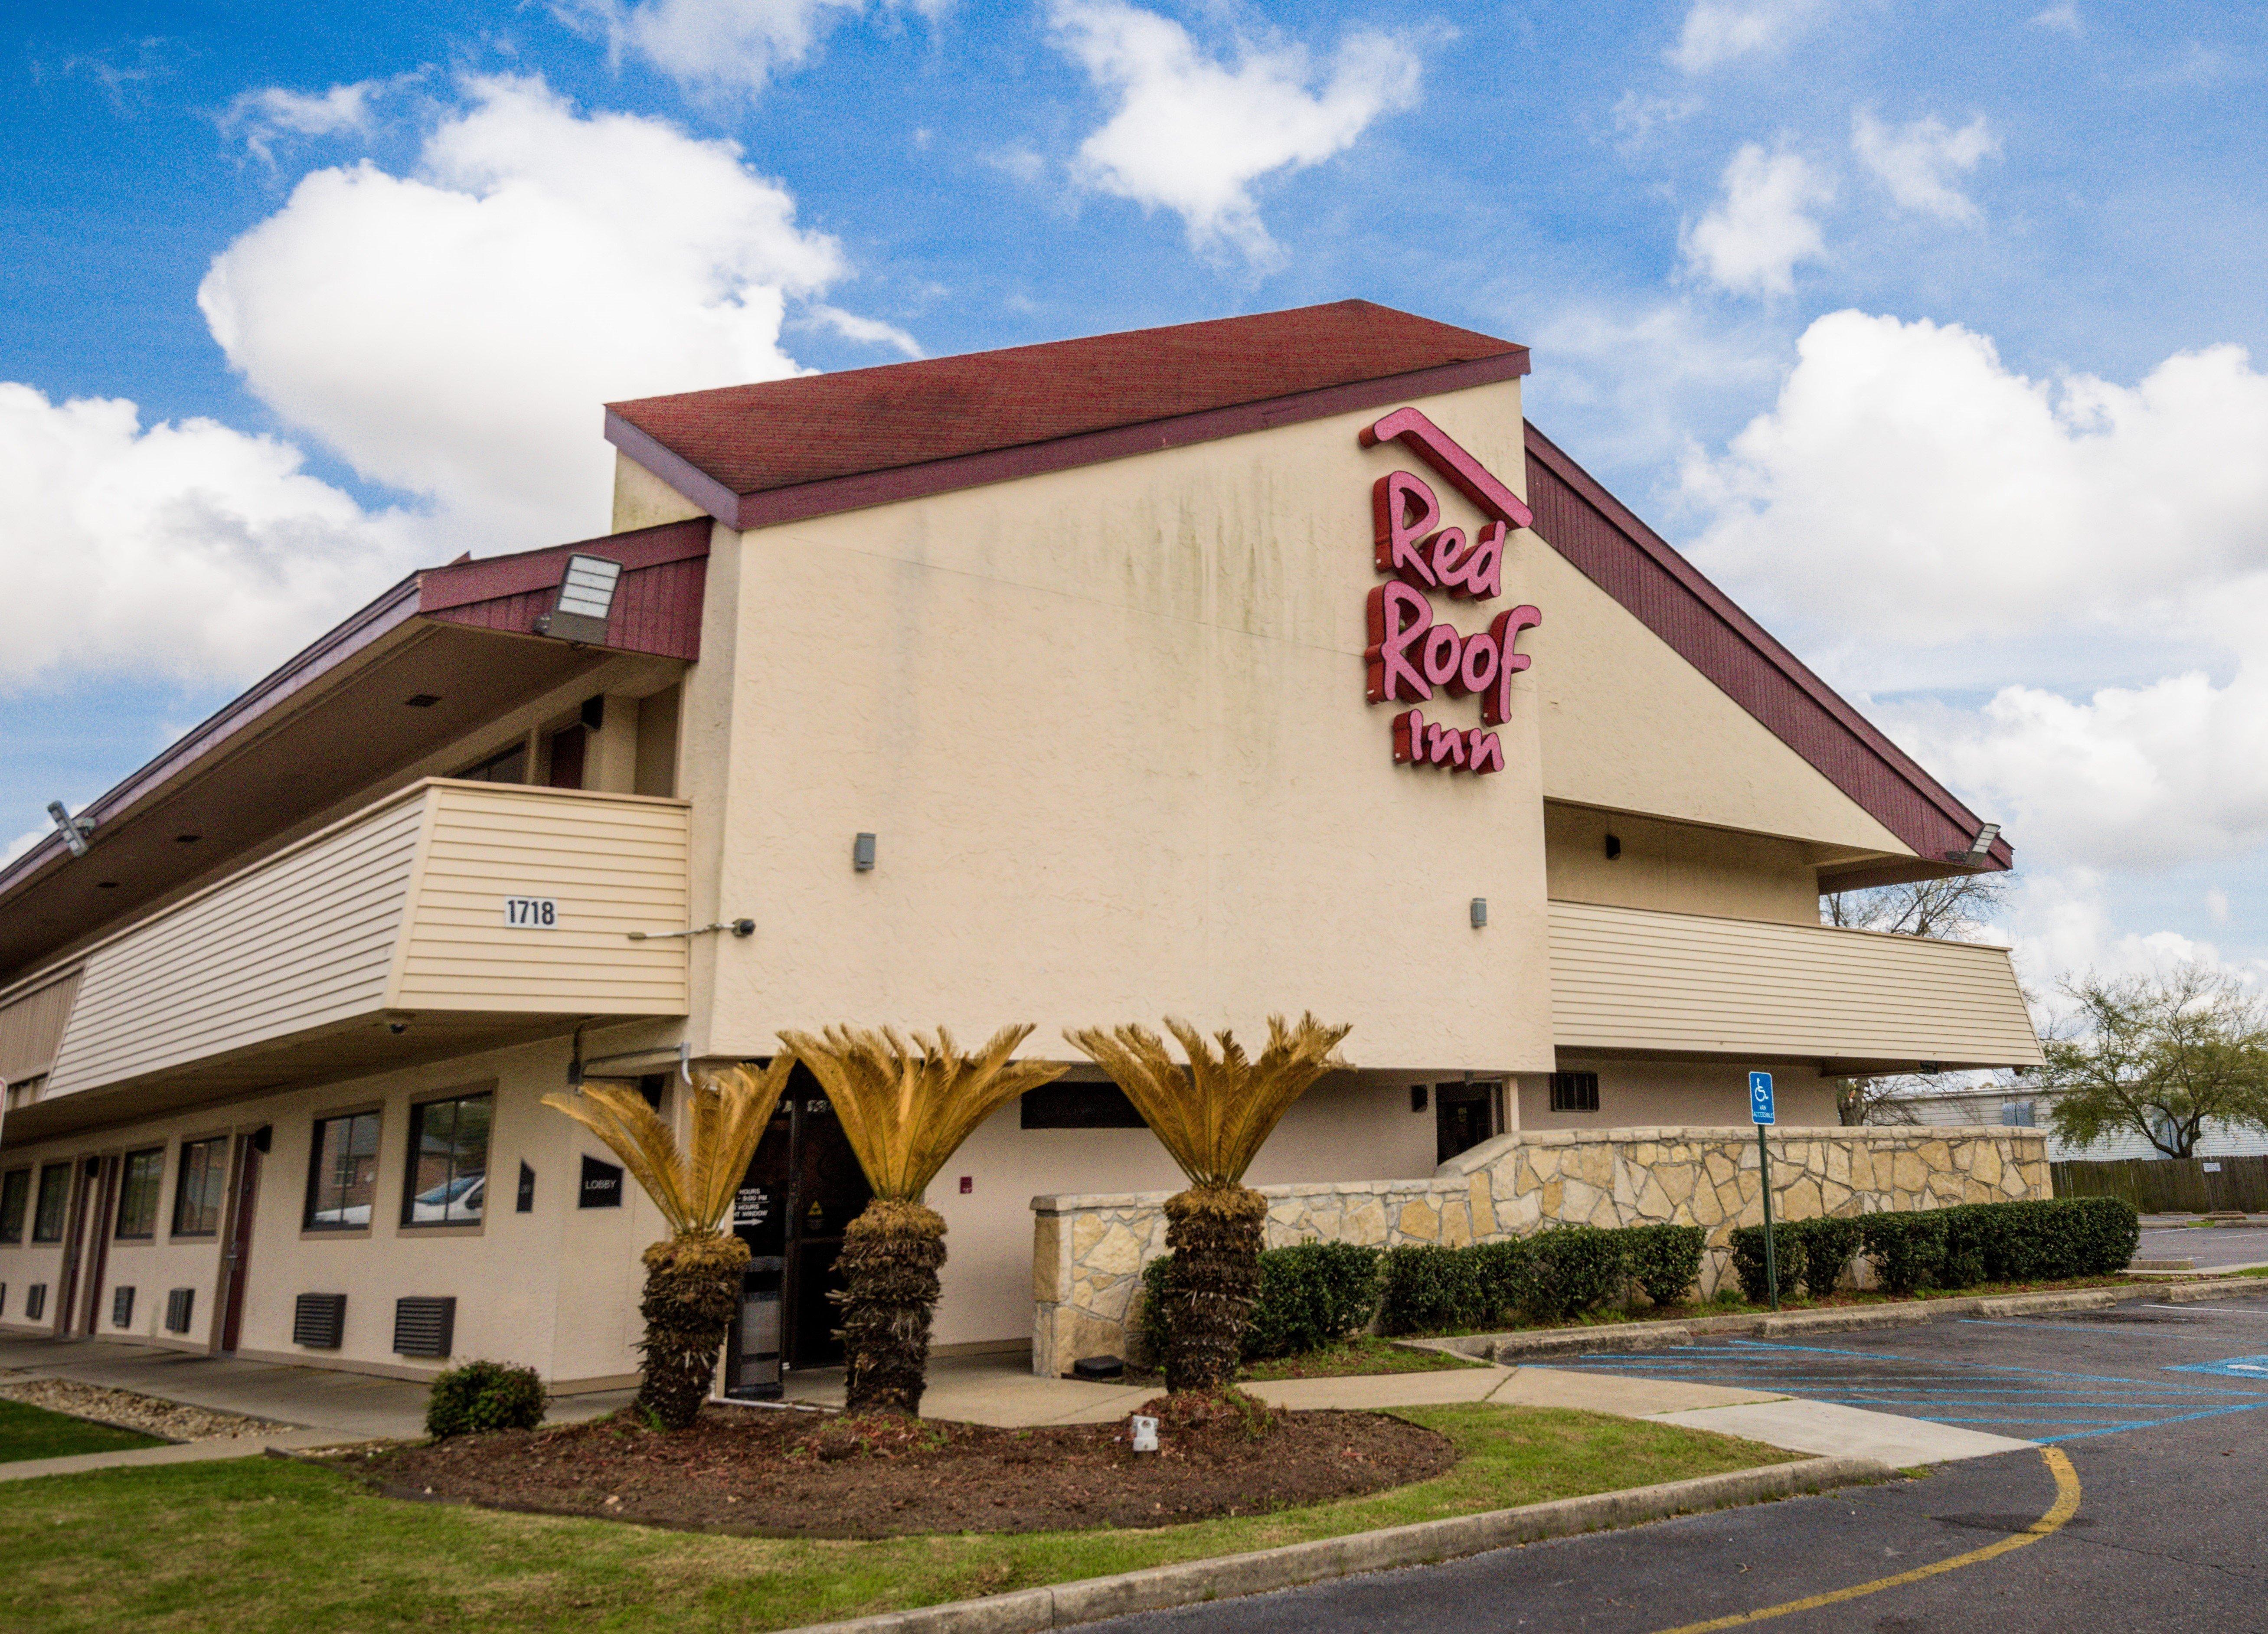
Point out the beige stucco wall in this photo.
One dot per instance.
(1676, 867)
(556, 1288)
(1627, 725)
(1667, 1093)
(644, 500)
(1109, 727)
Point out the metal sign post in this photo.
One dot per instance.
(1761, 1115)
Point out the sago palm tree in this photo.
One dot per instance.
(1212, 1116)
(693, 1279)
(905, 1107)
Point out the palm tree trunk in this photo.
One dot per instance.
(891, 1254)
(692, 1292)
(1214, 1232)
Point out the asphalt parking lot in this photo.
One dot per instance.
(2207, 1245)
(2159, 1411)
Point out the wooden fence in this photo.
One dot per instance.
(2169, 1185)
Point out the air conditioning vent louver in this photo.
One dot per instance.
(318, 1321)
(424, 1327)
(179, 1304)
(122, 1308)
(35, 1301)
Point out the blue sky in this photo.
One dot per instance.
(1928, 329)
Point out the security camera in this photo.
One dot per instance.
(397, 1028)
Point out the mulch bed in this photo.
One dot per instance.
(799, 1475)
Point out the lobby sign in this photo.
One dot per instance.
(1410, 653)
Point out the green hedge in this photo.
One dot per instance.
(1549, 1276)
(1310, 1294)
(1830, 1245)
(1749, 1262)
(476, 1396)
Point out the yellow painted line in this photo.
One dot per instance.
(2065, 1506)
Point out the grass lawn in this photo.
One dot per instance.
(1365, 1353)
(259, 1545)
(28, 1432)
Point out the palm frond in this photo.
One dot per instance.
(726, 1112)
(1214, 1114)
(906, 1107)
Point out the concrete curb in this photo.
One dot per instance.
(1509, 1349)
(1262, 1571)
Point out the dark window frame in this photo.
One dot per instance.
(40, 1233)
(411, 1188)
(155, 1177)
(315, 1149)
(1079, 1104)
(483, 771)
(183, 1196)
(16, 1211)
(1574, 1091)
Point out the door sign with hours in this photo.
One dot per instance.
(530, 913)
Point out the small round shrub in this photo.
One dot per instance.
(1666, 1260)
(478, 1396)
(1572, 1268)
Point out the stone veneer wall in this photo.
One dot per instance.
(1088, 1252)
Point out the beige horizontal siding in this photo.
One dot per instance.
(32, 1024)
(299, 941)
(614, 865)
(1625, 978)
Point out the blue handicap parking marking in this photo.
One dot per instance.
(2234, 1367)
(2035, 1404)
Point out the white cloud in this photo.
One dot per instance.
(867, 331)
(1922, 515)
(262, 117)
(2061, 930)
(1752, 240)
(2216, 905)
(2064, 16)
(187, 550)
(722, 47)
(1917, 162)
(452, 332)
(1909, 484)
(1717, 30)
(1193, 135)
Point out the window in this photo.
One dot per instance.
(448, 1162)
(343, 1173)
(54, 1196)
(1574, 1091)
(204, 1177)
(137, 1192)
(1079, 1106)
(506, 767)
(15, 1198)
(2020, 1114)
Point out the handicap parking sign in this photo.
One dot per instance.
(2252, 1367)
(1760, 1097)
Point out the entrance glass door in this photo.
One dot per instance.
(802, 1189)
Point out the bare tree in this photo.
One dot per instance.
(1941, 909)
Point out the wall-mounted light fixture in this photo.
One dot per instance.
(1614, 846)
(1480, 913)
(1979, 848)
(74, 830)
(743, 928)
(862, 854)
(587, 595)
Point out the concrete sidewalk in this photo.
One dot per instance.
(342, 1406)
(1001, 1390)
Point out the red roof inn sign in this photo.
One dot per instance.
(1410, 655)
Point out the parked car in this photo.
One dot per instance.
(459, 1199)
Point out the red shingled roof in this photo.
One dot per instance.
(832, 429)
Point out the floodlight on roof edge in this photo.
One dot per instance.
(587, 595)
(1979, 848)
(74, 830)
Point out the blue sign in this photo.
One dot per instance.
(1760, 1099)
(2252, 1367)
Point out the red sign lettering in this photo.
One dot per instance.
(1408, 655)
